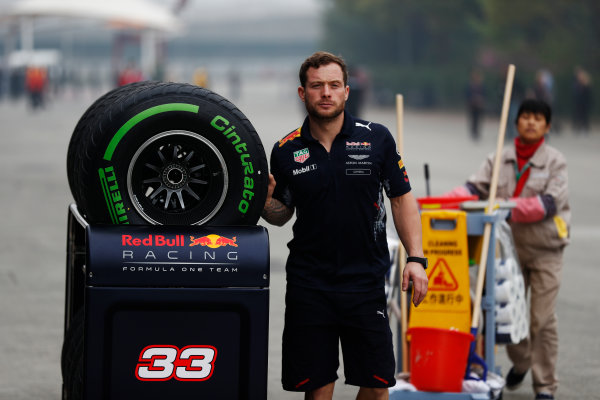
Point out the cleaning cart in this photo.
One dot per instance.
(452, 349)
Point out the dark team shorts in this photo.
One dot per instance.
(316, 322)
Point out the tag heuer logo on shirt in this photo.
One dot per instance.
(301, 155)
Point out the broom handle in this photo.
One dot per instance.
(399, 123)
(487, 230)
(401, 250)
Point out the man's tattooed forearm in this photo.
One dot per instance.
(276, 213)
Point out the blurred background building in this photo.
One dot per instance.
(91, 45)
(425, 49)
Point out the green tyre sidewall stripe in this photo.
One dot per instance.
(121, 132)
(114, 142)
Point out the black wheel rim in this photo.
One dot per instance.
(177, 177)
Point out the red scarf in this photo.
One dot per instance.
(524, 153)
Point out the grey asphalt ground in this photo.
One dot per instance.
(34, 197)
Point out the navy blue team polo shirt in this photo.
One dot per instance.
(339, 238)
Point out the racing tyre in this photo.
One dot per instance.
(169, 154)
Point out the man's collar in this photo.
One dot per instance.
(346, 127)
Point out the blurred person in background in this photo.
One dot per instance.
(516, 98)
(544, 86)
(534, 176)
(36, 79)
(475, 94)
(582, 101)
(358, 81)
(235, 83)
(543, 89)
(200, 77)
(332, 171)
(130, 74)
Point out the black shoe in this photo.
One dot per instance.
(514, 380)
(544, 396)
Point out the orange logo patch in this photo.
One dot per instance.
(290, 137)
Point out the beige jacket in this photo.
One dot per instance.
(548, 176)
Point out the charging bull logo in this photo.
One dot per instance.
(213, 241)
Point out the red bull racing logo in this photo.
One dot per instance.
(155, 249)
(358, 146)
(213, 241)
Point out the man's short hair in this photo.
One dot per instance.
(319, 59)
(536, 107)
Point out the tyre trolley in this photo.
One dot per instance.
(159, 312)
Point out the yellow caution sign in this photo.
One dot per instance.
(448, 303)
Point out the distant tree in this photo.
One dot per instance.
(407, 32)
(427, 48)
(393, 38)
(557, 33)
